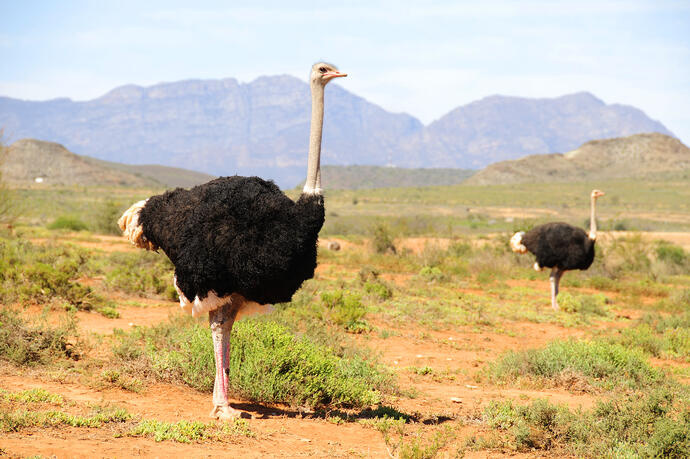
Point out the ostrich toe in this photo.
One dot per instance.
(225, 413)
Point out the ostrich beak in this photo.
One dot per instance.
(331, 75)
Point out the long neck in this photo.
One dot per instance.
(593, 220)
(313, 183)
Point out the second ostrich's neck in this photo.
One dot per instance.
(313, 183)
(593, 220)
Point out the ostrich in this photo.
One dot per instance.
(237, 241)
(559, 246)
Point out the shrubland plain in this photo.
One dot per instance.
(423, 336)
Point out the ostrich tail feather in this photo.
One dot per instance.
(132, 229)
(516, 242)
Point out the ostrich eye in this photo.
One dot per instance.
(322, 69)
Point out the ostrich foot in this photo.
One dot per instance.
(225, 413)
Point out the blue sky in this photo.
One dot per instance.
(423, 58)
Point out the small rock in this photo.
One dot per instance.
(470, 386)
(456, 400)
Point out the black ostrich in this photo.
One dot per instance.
(559, 246)
(237, 241)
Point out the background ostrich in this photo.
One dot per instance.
(237, 239)
(559, 246)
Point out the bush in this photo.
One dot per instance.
(68, 223)
(105, 220)
(656, 424)
(659, 336)
(267, 364)
(140, 273)
(671, 253)
(583, 304)
(430, 274)
(45, 274)
(345, 309)
(600, 363)
(23, 343)
(378, 289)
(382, 239)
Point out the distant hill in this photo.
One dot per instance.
(261, 128)
(52, 164)
(361, 177)
(640, 155)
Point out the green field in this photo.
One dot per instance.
(445, 347)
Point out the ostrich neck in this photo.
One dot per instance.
(313, 183)
(593, 220)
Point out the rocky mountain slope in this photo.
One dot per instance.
(30, 161)
(225, 127)
(640, 155)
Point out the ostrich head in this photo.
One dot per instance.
(597, 193)
(322, 73)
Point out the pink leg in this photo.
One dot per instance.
(555, 278)
(221, 321)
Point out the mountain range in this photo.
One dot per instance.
(224, 127)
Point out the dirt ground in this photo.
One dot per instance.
(454, 398)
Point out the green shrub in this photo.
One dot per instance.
(23, 343)
(600, 363)
(345, 309)
(382, 239)
(432, 274)
(105, 220)
(583, 304)
(378, 289)
(140, 273)
(655, 424)
(45, 274)
(678, 301)
(671, 253)
(67, 222)
(268, 363)
(660, 336)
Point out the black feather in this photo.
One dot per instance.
(560, 245)
(236, 235)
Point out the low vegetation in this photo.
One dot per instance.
(25, 343)
(653, 424)
(268, 363)
(27, 409)
(585, 363)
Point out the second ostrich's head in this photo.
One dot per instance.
(322, 73)
(597, 194)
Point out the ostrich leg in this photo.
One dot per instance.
(555, 278)
(221, 320)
